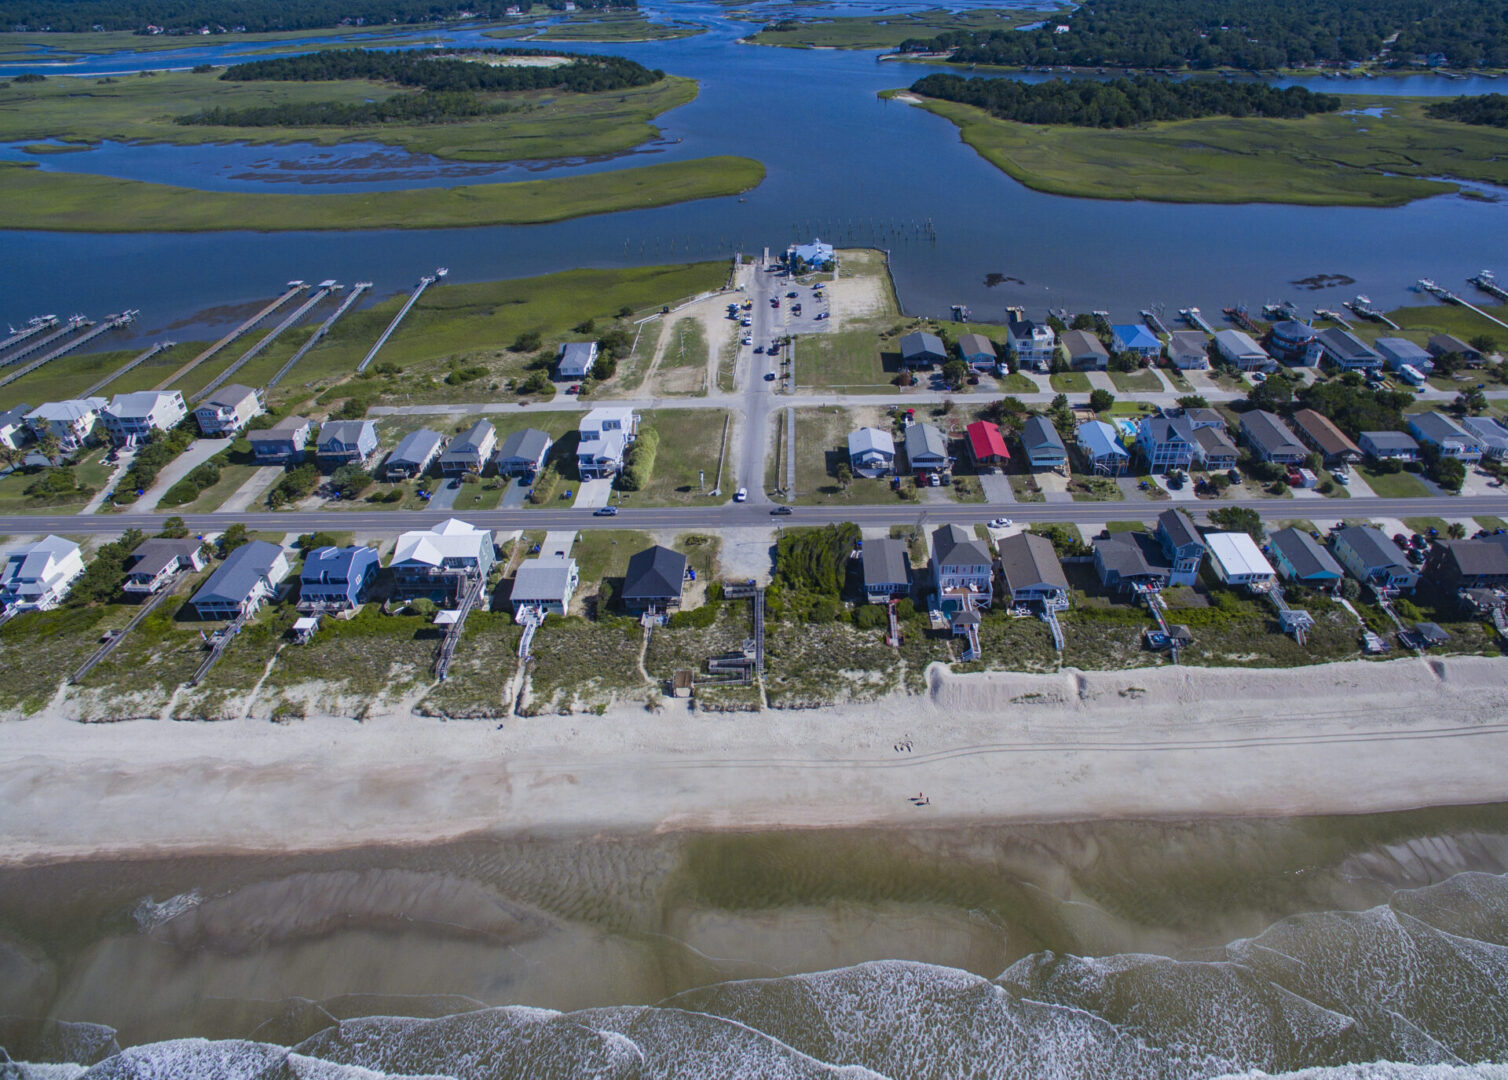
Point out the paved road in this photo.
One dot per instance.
(733, 515)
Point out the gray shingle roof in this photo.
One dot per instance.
(152, 556)
(238, 575)
(1131, 554)
(1391, 440)
(1304, 554)
(1373, 546)
(925, 440)
(884, 562)
(1478, 557)
(1266, 430)
(1028, 560)
(1039, 432)
(416, 447)
(1179, 529)
(1079, 342)
(953, 545)
(1438, 427)
(525, 445)
(654, 573)
(229, 397)
(920, 342)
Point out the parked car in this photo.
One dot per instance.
(769, 376)
(1001, 523)
(741, 495)
(748, 341)
(821, 314)
(574, 388)
(605, 511)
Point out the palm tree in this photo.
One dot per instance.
(1456, 531)
(48, 446)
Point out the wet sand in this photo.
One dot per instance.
(992, 749)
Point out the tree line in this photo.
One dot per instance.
(1488, 110)
(584, 74)
(256, 16)
(1119, 103)
(1249, 35)
(421, 108)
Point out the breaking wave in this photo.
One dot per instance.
(1410, 990)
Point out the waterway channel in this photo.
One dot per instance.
(842, 164)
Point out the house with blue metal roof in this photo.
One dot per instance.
(336, 577)
(1102, 447)
(1134, 337)
(816, 255)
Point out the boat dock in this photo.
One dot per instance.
(424, 283)
(33, 327)
(1153, 322)
(160, 346)
(324, 328)
(1489, 285)
(294, 288)
(1239, 316)
(1451, 298)
(111, 323)
(1195, 318)
(325, 289)
(1333, 316)
(67, 328)
(1362, 305)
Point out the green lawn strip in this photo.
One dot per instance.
(631, 28)
(1087, 488)
(1136, 382)
(1398, 485)
(144, 108)
(1486, 521)
(63, 202)
(686, 347)
(885, 31)
(582, 665)
(690, 442)
(858, 358)
(1331, 159)
(1425, 524)
(1026, 488)
(210, 498)
(1419, 323)
(1015, 383)
(1069, 382)
(603, 554)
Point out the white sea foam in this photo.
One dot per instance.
(150, 914)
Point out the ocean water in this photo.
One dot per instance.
(1338, 949)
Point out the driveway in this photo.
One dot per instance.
(253, 490)
(1054, 487)
(445, 496)
(197, 454)
(558, 543)
(515, 496)
(593, 493)
(997, 488)
(124, 462)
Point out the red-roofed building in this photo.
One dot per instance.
(987, 445)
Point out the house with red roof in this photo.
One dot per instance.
(987, 446)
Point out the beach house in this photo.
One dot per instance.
(13, 429)
(977, 351)
(1182, 545)
(1236, 560)
(871, 452)
(283, 443)
(413, 455)
(1237, 348)
(1388, 445)
(544, 585)
(523, 454)
(1135, 338)
(1189, 350)
(133, 418)
(1033, 343)
(1399, 353)
(37, 576)
(1491, 434)
(228, 410)
(1300, 558)
(603, 437)
(1320, 433)
(926, 449)
(71, 422)
(346, 442)
(962, 570)
(1294, 343)
(886, 568)
(1130, 560)
(920, 349)
(576, 359)
(1213, 449)
(1438, 430)
(1102, 448)
(1167, 442)
(1373, 559)
(1270, 439)
(1347, 351)
(1042, 444)
(243, 582)
(654, 580)
(1470, 564)
(469, 451)
(157, 561)
(336, 578)
(1449, 345)
(435, 562)
(987, 449)
(1031, 571)
(1085, 351)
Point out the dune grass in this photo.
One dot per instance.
(888, 30)
(616, 28)
(143, 108)
(1335, 159)
(61, 202)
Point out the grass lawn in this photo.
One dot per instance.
(686, 353)
(1398, 485)
(544, 124)
(603, 554)
(91, 473)
(1425, 524)
(1136, 382)
(1330, 159)
(1095, 489)
(1016, 383)
(821, 446)
(1025, 488)
(690, 442)
(1126, 526)
(70, 202)
(1070, 382)
(1489, 522)
(846, 359)
(39, 649)
(1418, 323)
(209, 500)
(1178, 379)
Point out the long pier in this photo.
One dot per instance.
(1239, 316)
(1195, 318)
(424, 283)
(114, 322)
(1489, 285)
(324, 290)
(74, 323)
(33, 327)
(294, 288)
(1334, 316)
(1153, 322)
(158, 347)
(324, 328)
(1451, 298)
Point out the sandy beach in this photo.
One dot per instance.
(1172, 742)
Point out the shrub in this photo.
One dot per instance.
(185, 491)
(905, 609)
(545, 484)
(1101, 400)
(233, 537)
(174, 528)
(537, 383)
(294, 484)
(528, 341)
(423, 606)
(354, 408)
(57, 484)
(698, 618)
(310, 541)
(639, 461)
(815, 560)
(869, 617)
(825, 609)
